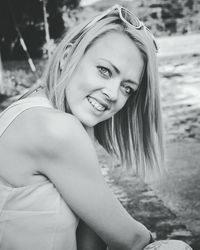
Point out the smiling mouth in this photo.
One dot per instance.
(95, 104)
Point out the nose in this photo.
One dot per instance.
(111, 91)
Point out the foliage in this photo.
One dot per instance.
(163, 17)
(27, 16)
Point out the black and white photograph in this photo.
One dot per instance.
(99, 125)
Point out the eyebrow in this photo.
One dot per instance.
(118, 72)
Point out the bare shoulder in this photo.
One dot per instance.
(60, 126)
(64, 129)
(63, 142)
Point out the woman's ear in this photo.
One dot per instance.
(64, 56)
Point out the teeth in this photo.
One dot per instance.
(96, 104)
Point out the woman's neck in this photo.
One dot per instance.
(90, 131)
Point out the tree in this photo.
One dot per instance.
(27, 15)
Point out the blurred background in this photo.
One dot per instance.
(29, 32)
(30, 29)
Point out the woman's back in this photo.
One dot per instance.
(33, 214)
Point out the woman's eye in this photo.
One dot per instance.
(128, 90)
(105, 72)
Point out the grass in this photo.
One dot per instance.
(17, 76)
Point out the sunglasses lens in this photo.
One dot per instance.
(130, 18)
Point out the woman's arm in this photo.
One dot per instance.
(87, 239)
(69, 160)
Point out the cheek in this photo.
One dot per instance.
(76, 86)
(84, 84)
(120, 103)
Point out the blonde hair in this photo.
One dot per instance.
(135, 133)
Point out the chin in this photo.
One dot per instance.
(88, 119)
(89, 124)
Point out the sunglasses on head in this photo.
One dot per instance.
(127, 17)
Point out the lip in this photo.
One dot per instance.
(103, 103)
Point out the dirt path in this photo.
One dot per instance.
(180, 90)
(180, 189)
(179, 45)
(157, 206)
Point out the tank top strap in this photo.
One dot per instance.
(11, 112)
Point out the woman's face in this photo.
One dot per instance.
(104, 79)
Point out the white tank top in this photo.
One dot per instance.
(33, 217)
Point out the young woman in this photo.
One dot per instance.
(100, 85)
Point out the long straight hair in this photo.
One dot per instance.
(135, 133)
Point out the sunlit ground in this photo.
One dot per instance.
(87, 2)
